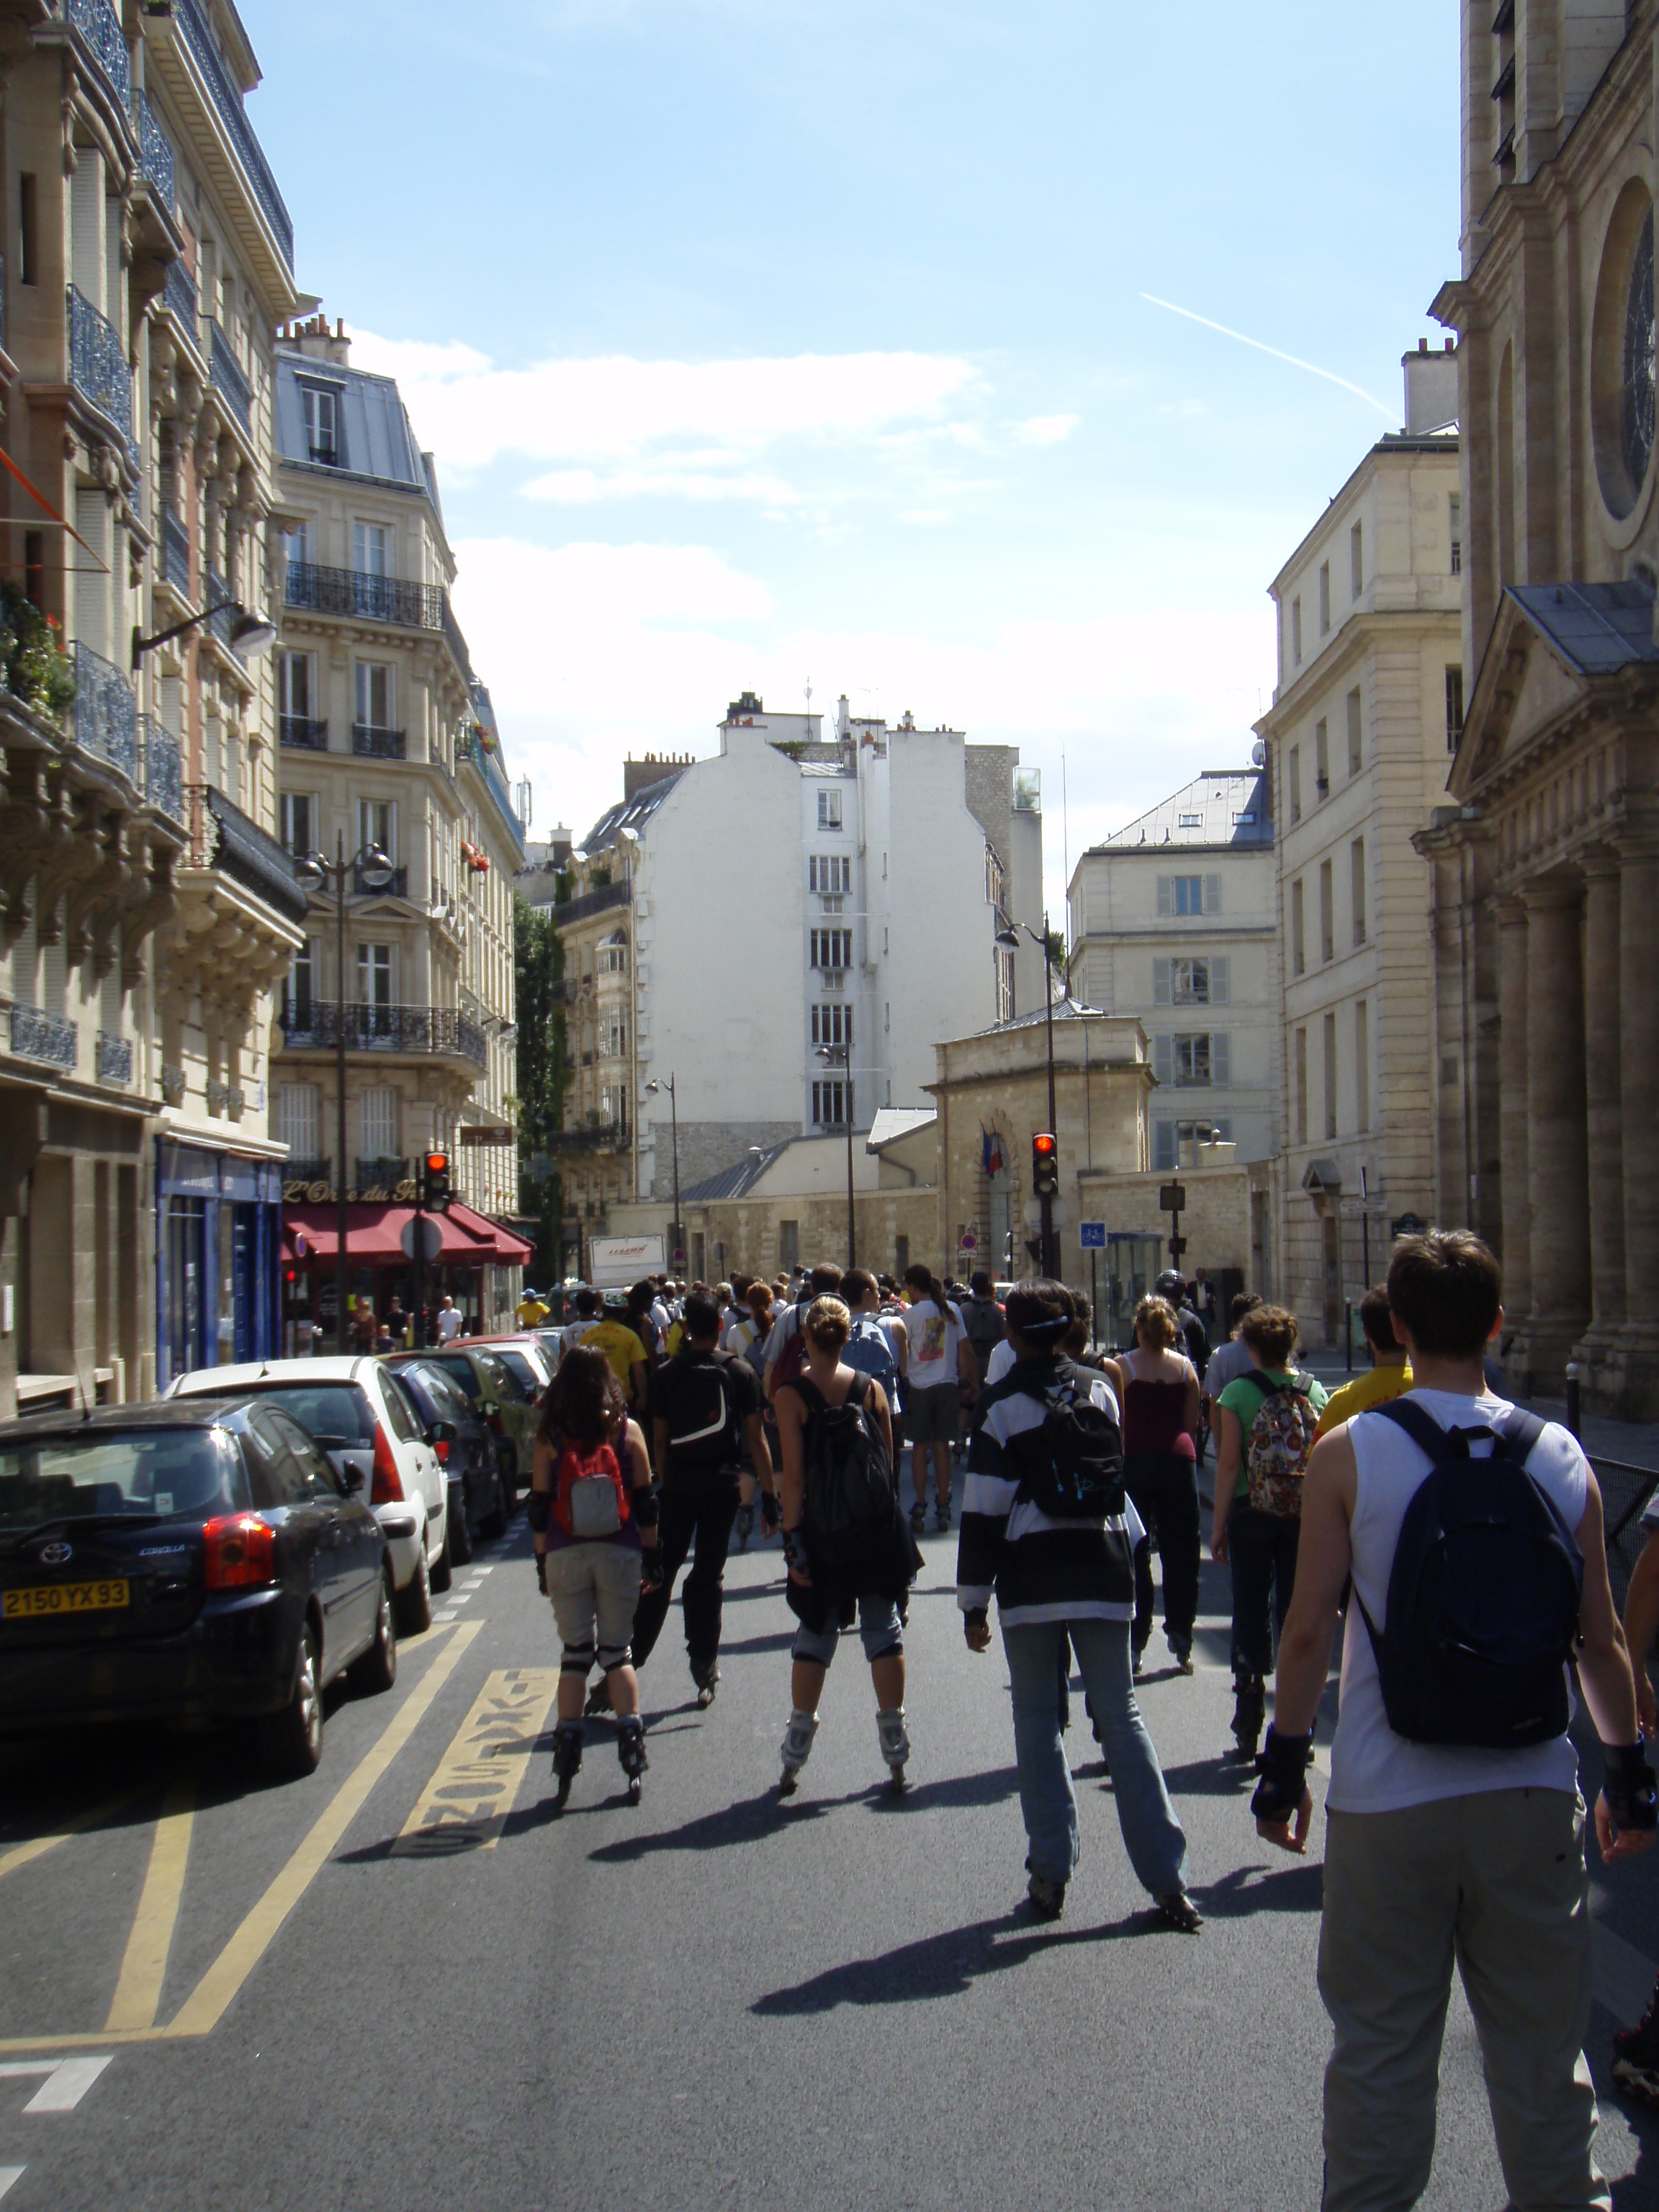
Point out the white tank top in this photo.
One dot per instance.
(1373, 1769)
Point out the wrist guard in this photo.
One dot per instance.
(538, 1510)
(1629, 1787)
(1282, 1762)
(647, 1506)
(794, 1550)
(980, 1617)
(651, 1571)
(771, 1512)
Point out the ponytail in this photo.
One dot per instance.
(920, 1277)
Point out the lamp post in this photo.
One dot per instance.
(1010, 936)
(840, 1055)
(674, 1126)
(376, 875)
(249, 633)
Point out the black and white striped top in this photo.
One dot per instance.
(1040, 1570)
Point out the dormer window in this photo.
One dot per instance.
(322, 425)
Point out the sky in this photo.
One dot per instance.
(770, 342)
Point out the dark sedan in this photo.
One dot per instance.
(188, 1561)
(478, 1498)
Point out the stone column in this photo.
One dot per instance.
(1604, 1110)
(1639, 1060)
(1512, 1107)
(1557, 1140)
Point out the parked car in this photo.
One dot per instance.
(186, 1562)
(476, 1500)
(355, 1408)
(506, 1405)
(525, 1357)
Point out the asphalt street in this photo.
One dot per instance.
(406, 1984)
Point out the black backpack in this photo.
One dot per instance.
(703, 1428)
(1483, 1593)
(1070, 1465)
(852, 1502)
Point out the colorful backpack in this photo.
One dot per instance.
(590, 1499)
(1276, 1449)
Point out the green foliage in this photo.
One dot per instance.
(543, 1072)
(35, 668)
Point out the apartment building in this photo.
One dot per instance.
(883, 892)
(148, 907)
(390, 774)
(1174, 920)
(1366, 712)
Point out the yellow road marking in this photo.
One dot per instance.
(465, 1804)
(145, 1965)
(22, 1855)
(205, 2006)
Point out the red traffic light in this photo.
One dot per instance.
(1045, 1165)
(437, 1164)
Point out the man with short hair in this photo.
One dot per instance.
(622, 1347)
(531, 1310)
(587, 1315)
(1440, 1848)
(823, 1281)
(982, 1318)
(449, 1321)
(1390, 1375)
(1172, 1286)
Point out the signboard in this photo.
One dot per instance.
(968, 1241)
(432, 1237)
(615, 1262)
(1171, 1198)
(488, 1136)
(1094, 1236)
(1410, 1224)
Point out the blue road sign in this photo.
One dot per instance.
(1094, 1236)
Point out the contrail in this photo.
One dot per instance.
(1370, 399)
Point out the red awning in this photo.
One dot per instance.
(511, 1250)
(373, 1235)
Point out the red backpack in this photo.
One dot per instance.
(590, 1498)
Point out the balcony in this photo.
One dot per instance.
(217, 594)
(305, 1171)
(163, 770)
(225, 374)
(378, 744)
(398, 888)
(105, 712)
(227, 106)
(39, 1035)
(592, 902)
(451, 630)
(154, 152)
(299, 730)
(222, 837)
(179, 297)
(373, 599)
(114, 1057)
(604, 1137)
(97, 364)
(175, 554)
(381, 1173)
(317, 1025)
(469, 747)
(99, 28)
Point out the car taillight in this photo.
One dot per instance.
(241, 1551)
(495, 1426)
(441, 1447)
(387, 1487)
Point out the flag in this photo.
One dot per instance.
(990, 1151)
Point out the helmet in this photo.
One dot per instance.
(1171, 1286)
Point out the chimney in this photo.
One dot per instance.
(1431, 389)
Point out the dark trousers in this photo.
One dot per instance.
(702, 1506)
(1263, 1550)
(1164, 1488)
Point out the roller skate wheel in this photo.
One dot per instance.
(897, 1782)
(788, 1782)
(633, 1788)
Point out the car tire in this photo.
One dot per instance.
(459, 1546)
(291, 1741)
(378, 1668)
(414, 1600)
(507, 1467)
(441, 1572)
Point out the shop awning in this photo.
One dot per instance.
(373, 1235)
(511, 1250)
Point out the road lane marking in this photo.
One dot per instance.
(465, 1804)
(67, 2083)
(205, 2006)
(22, 1855)
(9, 2174)
(144, 1964)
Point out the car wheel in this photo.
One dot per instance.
(378, 1668)
(442, 1573)
(459, 1547)
(291, 1741)
(507, 1468)
(414, 1600)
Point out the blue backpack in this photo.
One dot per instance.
(868, 1350)
(1482, 1613)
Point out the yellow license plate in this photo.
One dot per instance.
(46, 1599)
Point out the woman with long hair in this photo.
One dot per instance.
(941, 1374)
(1160, 1472)
(594, 1515)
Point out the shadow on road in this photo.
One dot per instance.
(751, 1818)
(1246, 1891)
(1211, 1778)
(779, 1642)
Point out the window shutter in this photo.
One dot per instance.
(1166, 895)
(1164, 1145)
(1220, 981)
(1221, 1058)
(1164, 1058)
(1212, 894)
(1160, 982)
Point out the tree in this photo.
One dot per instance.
(543, 1069)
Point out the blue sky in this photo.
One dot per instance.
(769, 341)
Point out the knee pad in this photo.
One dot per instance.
(886, 1643)
(578, 1660)
(612, 1656)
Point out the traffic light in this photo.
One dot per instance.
(434, 1183)
(1045, 1165)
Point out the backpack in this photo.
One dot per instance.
(589, 1499)
(867, 1349)
(983, 1320)
(704, 1423)
(1070, 1464)
(852, 1501)
(792, 1357)
(1276, 1449)
(1482, 1613)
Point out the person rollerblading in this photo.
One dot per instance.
(1249, 1711)
(630, 1753)
(895, 1747)
(707, 1680)
(567, 1758)
(797, 1749)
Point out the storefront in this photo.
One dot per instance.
(477, 1266)
(218, 1247)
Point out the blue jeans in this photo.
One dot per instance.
(1152, 1833)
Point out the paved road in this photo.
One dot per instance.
(402, 1984)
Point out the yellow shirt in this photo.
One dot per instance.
(532, 1313)
(1363, 1393)
(621, 1347)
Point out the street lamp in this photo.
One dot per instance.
(1010, 936)
(250, 634)
(840, 1055)
(657, 1089)
(376, 874)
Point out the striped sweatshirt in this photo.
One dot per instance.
(1040, 1570)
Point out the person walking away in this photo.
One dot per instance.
(786, 1349)
(844, 1536)
(630, 1364)
(1049, 1529)
(746, 1336)
(587, 1315)
(737, 1314)
(1269, 1418)
(1170, 1285)
(593, 1512)
(1228, 1360)
(1454, 1828)
(982, 1318)
(1160, 1472)
(1390, 1374)
(705, 1403)
(890, 1314)
(941, 1372)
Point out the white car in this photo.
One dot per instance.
(355, 1406)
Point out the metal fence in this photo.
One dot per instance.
(106, 714)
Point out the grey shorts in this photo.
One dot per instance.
(595, 1589)
(933, 1416)
(878, 1626)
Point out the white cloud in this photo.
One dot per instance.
(1046, 429)
(582, 487)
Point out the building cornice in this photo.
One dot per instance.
(1349, 643)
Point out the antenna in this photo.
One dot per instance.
(808, 706)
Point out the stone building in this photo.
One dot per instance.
(1545, 861)
(1368, 703)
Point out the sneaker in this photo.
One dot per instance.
(891, 1735)
(918, 1517)
(1636, 2056)
(1181, 1912)
(1048, 1899)
(1137, 1662)
(1182, 1654)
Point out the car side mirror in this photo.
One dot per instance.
(354, 1472)
(442, 1432)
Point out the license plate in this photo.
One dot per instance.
(45, 1600)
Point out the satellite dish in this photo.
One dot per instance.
(1259, 754)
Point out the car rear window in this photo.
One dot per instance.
(523, 1371)
(118, 1471)
(462, 1372)
(451, 1403)
(335, 1414)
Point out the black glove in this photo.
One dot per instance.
(541, 1572)
(794, 1550)
(980, 1617)
(1629, 1787)
(771, 1512)
(651, 1575)
(1282, 1762)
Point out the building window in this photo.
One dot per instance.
(1298, 937)
(298, 985)
(1327, 913)
(298, 1119)
(377, 827)
(832, 1025)
(1362, 1063)
(322, 425)
(613, 1105)
(788, 1243)
(832, 948)
(612, 958)
(1321, 759)
(376, 695)
(1453, 709)
(830, 872)
(1356, 871)
(1295, 632)
(368, 547)
(1191, 982)
(298, 817)
(613, 1036)
(375, 978)
(1189, 822)
(1455, 514)
(1192, 1061)
(1356, 560)
(1295, 777)
(1169, 1137)
(1324, 599)
(1330, 1075)
(832, 1104)
(1301, 1086)
(295, 688)
(378, 1109)
(828, 810)
(1356, 742)
(1189, 895)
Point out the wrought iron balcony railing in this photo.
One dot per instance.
(218, 595)
(155, 150)
(380, 1174)
(451, 630)
(225, 374)
(164, 785)
(175, 553)
(98, 364)
(396, 887)
(105, 712)
(114, 1057)
(98, 26)
(227, 101)
(178, 295)
(222, 836)
(299, 730)
(606, 1137)
(317, 1023)
(378, 744)
(295, 1171)
(592, 902)
(356, 591)
(36, 1035)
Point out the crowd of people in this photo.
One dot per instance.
(1458, 1535)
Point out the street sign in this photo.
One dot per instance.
(1171, 1198)
(969, 1242)
(679, 1255)
(1410, 1224)
(488, 1135)
(432, 1237)
(1094, 1236)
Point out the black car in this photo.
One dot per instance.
(477, 1497)
(187, 1561)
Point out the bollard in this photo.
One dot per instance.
(1572, 1395)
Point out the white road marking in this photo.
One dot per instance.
(8, 2175)
(459, 1597)
(67, 2081)
(482, 1571)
